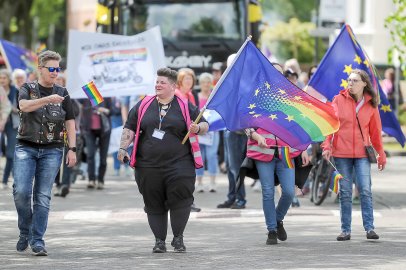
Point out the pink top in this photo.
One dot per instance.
(96, 123)
(202, 102)
(189, 96)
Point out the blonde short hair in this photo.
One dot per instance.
(183, 72)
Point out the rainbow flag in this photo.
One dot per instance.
(253, 94)
(336, 176)
(93, 93)
(285, 157)
(139, 54)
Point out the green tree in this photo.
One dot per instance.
(288, 9)
(51, 14)
(291, 40)
(15, 19)
(396, 23)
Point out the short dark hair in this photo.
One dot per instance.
(171, 74)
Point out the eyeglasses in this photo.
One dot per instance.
(353, 80)
(52, 69)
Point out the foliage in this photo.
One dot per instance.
(396, 23)
(48, 12)
(291, 40)
(288, 9)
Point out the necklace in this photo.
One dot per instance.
(163, 109)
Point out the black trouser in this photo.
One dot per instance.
(163, 189)
(97, 139)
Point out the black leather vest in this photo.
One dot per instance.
(45, 125)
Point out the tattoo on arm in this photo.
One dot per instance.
(126, 138)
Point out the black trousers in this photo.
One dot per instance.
(96, 139)
(166, 188)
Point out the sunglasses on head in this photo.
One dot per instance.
(52, 69)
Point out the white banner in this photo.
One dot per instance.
(118, 65)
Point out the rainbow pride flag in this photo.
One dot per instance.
(92, 93)
(285, 157)
(139, 54)
(336, 176)
(252, 93)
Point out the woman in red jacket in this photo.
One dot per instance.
(360, 125)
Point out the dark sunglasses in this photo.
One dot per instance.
(52, 69)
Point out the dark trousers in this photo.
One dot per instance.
(96, 139)
(66, 173)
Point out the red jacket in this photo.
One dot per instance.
(347, 141)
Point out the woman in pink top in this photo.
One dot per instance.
(209, 143)
(186, 82)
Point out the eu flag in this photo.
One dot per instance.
(331, 76)
(17, 57)
(252, 93)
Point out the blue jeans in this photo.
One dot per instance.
(236, 151)
(360, 168)
(116, 121)
(209, 155)
(34, 174)
(266, 171)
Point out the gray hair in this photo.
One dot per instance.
(6, 73)
(46, 56)
(205, 77)
(19, 73)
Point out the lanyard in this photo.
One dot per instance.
(162, 113)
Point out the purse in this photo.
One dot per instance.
(105, 122)
(369, 149)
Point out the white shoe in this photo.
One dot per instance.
(200, 188)
(212, 188)
(257, 186)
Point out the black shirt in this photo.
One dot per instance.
(153, 152)
(44, 92)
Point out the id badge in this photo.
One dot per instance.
(159, 134)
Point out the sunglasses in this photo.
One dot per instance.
(353, 80)
(52, 69)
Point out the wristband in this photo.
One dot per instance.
(198, 129)
(123, 149)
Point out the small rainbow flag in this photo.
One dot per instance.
(285, 157)
(336, 176)
(92, 93)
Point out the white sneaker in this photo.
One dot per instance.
(200, 188)
(212, 188)
(257, 186)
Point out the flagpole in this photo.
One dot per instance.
(218, 84)
(222, 78)
(332, 165)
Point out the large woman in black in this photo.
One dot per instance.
(165, 168)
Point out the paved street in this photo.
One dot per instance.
(108, 230)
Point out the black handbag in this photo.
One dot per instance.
(369, 149)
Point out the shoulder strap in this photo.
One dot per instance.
(359, 126)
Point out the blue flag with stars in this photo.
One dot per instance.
(331, 76)
(252, 93)
(17, 57)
